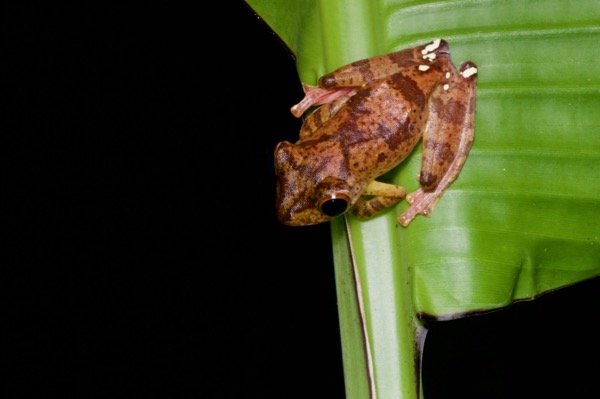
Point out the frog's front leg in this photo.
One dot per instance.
(384, 196)
(447, 140)
(314, 95)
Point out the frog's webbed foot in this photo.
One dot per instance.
(421, 203)
(384, 196)
(315, 95)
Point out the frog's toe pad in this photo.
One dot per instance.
(421, 203)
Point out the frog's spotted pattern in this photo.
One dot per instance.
(372, 113)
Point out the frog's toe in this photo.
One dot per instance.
(415, 196)
(421, 203)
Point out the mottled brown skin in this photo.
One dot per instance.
(374, 113)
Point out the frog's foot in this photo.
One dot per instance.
(365, 208)
(315, 95)
(384, 196)
(421, 203)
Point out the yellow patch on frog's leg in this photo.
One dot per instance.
(365, 208)
(385, 195)
(384, 189)
(447, 141)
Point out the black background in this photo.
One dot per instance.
(145, 258)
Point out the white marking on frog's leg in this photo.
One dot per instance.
(446, 86)
(431, 47)
(430, 56)
(469, 72)
(423, 67)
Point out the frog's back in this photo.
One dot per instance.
(379, 126)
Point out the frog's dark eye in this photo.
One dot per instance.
(334, 205)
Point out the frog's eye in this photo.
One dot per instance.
(333, 196)
(334, 205)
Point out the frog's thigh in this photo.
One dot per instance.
(363, 71)
(385, 195)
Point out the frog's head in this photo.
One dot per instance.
(306, 193)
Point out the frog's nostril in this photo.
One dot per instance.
(335, 205)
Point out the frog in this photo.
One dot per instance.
(367, 117)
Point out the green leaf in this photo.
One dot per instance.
(523, 217)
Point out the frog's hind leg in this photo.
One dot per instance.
(451, 118)
(384, 196)
(421, 203)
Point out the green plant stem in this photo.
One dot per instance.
(381, 336)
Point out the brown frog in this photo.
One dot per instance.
(372, 114)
